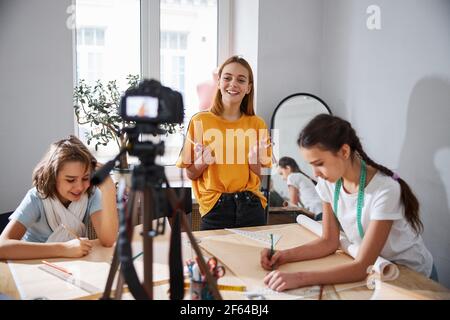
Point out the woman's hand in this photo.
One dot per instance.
(203, 157)
(77, 248)
(270, 263)
(280, 281)
(258, 153)
(204, 153)
(253, 155)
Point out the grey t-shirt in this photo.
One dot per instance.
(31, 214)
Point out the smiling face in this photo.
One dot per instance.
(72, 181)
(326, 164)
(234, 84)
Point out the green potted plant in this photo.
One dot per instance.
(98, 107)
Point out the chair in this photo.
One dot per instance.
(195, 218)
(90, 231)
(4, 220)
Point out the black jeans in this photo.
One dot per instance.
(235, 210)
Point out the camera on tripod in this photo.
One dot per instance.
(152, 103)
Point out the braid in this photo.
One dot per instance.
(312, 180)
(358, 148)
(408, 198)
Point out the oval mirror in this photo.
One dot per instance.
(288, 119)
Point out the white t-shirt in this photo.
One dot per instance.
(381, 202)
(308, 194)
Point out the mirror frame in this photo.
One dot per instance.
(266, 192)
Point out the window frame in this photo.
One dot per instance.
(150, 35)
(150, 32)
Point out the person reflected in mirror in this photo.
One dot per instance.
(376, 209)
(225, 151)
(301, 187)
(50, 220)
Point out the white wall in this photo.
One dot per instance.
(393, 84)
(35, 89)
(244, 28)
(290, 34)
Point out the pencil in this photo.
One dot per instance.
(272, 251)
(56, 267)
(271, 246)
(190, 140)
(138, 255)
(321, 292)
(70, 231)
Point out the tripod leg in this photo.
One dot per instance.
(115, 261)
(137, 213)
(112, 272)
(209, 278)
(147, 239)
(119, 287)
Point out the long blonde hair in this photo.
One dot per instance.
(65, 150)
(247, 106)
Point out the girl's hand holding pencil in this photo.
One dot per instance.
(77, 247)
(271, 259)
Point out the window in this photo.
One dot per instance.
(173, 58)
(90, 47)
(175, 41)
(188, 55)
(108, 48)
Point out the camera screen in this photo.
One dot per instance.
(142, 107)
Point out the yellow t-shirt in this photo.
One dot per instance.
(230, 142)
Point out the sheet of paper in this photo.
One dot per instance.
(93, 269)
(34, 283)
(386, 269)
(261, 236)
(242, 257)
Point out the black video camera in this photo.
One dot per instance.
(152, 103)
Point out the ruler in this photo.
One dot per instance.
(224, 287)
(263, 237)
(70, 279)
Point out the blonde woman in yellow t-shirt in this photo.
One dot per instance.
(225, 151)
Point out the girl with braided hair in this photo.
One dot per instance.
(375, 208)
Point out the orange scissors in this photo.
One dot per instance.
(216, 270)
